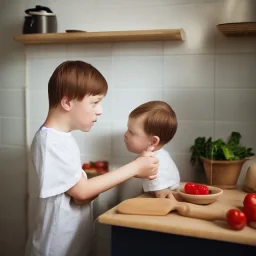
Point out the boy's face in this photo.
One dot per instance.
(136, 140)
(85, 113)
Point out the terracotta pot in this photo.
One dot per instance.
(223, 174)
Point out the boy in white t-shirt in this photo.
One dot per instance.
(153, 124)
(63, 222)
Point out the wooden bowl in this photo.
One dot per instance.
(202, 199)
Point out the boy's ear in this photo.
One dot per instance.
(155, 141)
(66, 103)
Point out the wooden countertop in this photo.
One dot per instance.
(179, 225)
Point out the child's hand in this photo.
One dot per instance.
(149, 152)
(164, 193)
(148, 165)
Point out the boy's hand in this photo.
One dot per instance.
(152, 177)
(148, 164)
(149, 152)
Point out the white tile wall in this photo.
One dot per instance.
(39, 70)
(138, 71)
(10, 98)
(236, 105)
(189, 71)
(125, 100)
(13, 131)
(209, 80)
(191, 104)
(37, 104)
(14, 77)
(187, 132)
(118, 146)
(99, 144)
(199, 22)
(184, 166)
(236, 71)
(12, 200)
(231, 45)
(12, 169)
(138, 49)
(97, 50)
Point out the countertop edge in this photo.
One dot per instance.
(232, 238)
(175, 224)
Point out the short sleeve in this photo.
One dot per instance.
(61, 167)
(168, 174)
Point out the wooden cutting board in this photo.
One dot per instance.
(163, 206)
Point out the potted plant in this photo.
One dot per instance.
(221, 161)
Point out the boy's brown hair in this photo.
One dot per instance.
(159, 119)
(75, 79)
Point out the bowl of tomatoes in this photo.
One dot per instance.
(199, 193)
(95, 168)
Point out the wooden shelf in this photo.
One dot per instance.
(238, 29)
(102, 37)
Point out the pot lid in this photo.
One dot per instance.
(41, 13)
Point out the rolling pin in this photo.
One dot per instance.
(163, 206)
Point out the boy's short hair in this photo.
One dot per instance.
(159, 119)
(75, 79)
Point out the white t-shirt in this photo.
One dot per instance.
(168, 175)
(62, 228)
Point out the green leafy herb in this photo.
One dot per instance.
(219, 150)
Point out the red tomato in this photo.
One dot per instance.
(236, 219)
(250, 213)
(86, 166)
(190, 188)
(202, 190)
(101, 165)
(250, 200)
(197, 192)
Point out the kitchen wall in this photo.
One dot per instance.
(13, 165)
(209, 80)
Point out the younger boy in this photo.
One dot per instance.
(153, 124)
(63, 222)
